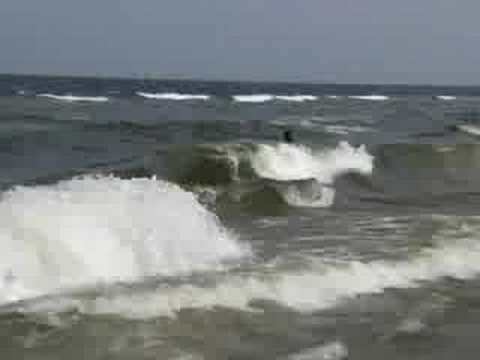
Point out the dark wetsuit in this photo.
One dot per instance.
(288, 136)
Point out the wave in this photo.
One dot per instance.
(261, 98)
(445, 97)
(258, 98)
(335, 350)
(468, 129)
(324, 285)
(93, 230)
(296, 98)
(345, 130)
(172, 96)
(295, 162)
(305, 193)
(72, 98)
(270, 173)
(372, 97)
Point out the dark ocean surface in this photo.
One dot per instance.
(144, 219)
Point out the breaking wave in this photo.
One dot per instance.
(72, 98)
(172, 96)
(294, 174)
(260, 98)
(102, 230)
(295, 162)
(296, 98)
(445, 97)
(370, 97)
(468, 129)
(335, 350)
(325, 284)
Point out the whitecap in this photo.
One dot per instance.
(445, 97)
(101, 230)
(173, 96)
(256, 98)
(372, 97)
(72, 98)
(295, 162)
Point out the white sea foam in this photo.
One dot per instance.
(303, 177)
(446, 97)
(345, 130)
(333, 96)
(323, 286)
(335, 350)
(295, 162)
(257, 98)
(90, 230)
(469, 129)
(261, 98)
(72, 98)
(296, 98)
(372, 97)
(172, 96)
(314, 196)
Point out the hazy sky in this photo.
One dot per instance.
(353, 41)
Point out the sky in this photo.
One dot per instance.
(344, 41)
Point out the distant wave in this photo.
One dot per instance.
(335, 350)
(469, 129)
(345, 130)
(72, 98)
(333, 96)
(372, 97)
(172, 96)
(445, 97)
(296, 98)
(260, 98)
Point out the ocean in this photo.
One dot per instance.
(163, 219)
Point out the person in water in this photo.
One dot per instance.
(288, 136)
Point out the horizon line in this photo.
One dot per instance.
(134, 77)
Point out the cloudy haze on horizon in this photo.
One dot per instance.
(346, 41)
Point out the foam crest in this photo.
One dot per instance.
(445, 97)
(323, 286)
(345, 130)
(257, 98)
(296, 98)
(295, 162)
(372, 97)
(72, 98)
(172, 96)
(260, 98)
(335, 350)
(313, 196)
(89, 230)
(469, 129)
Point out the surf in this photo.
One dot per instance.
(101, 230)
(321, 284)
(73, 98)
(172, 96)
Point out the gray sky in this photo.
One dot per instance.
(352, 41)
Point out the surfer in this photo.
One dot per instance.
(288, 136)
